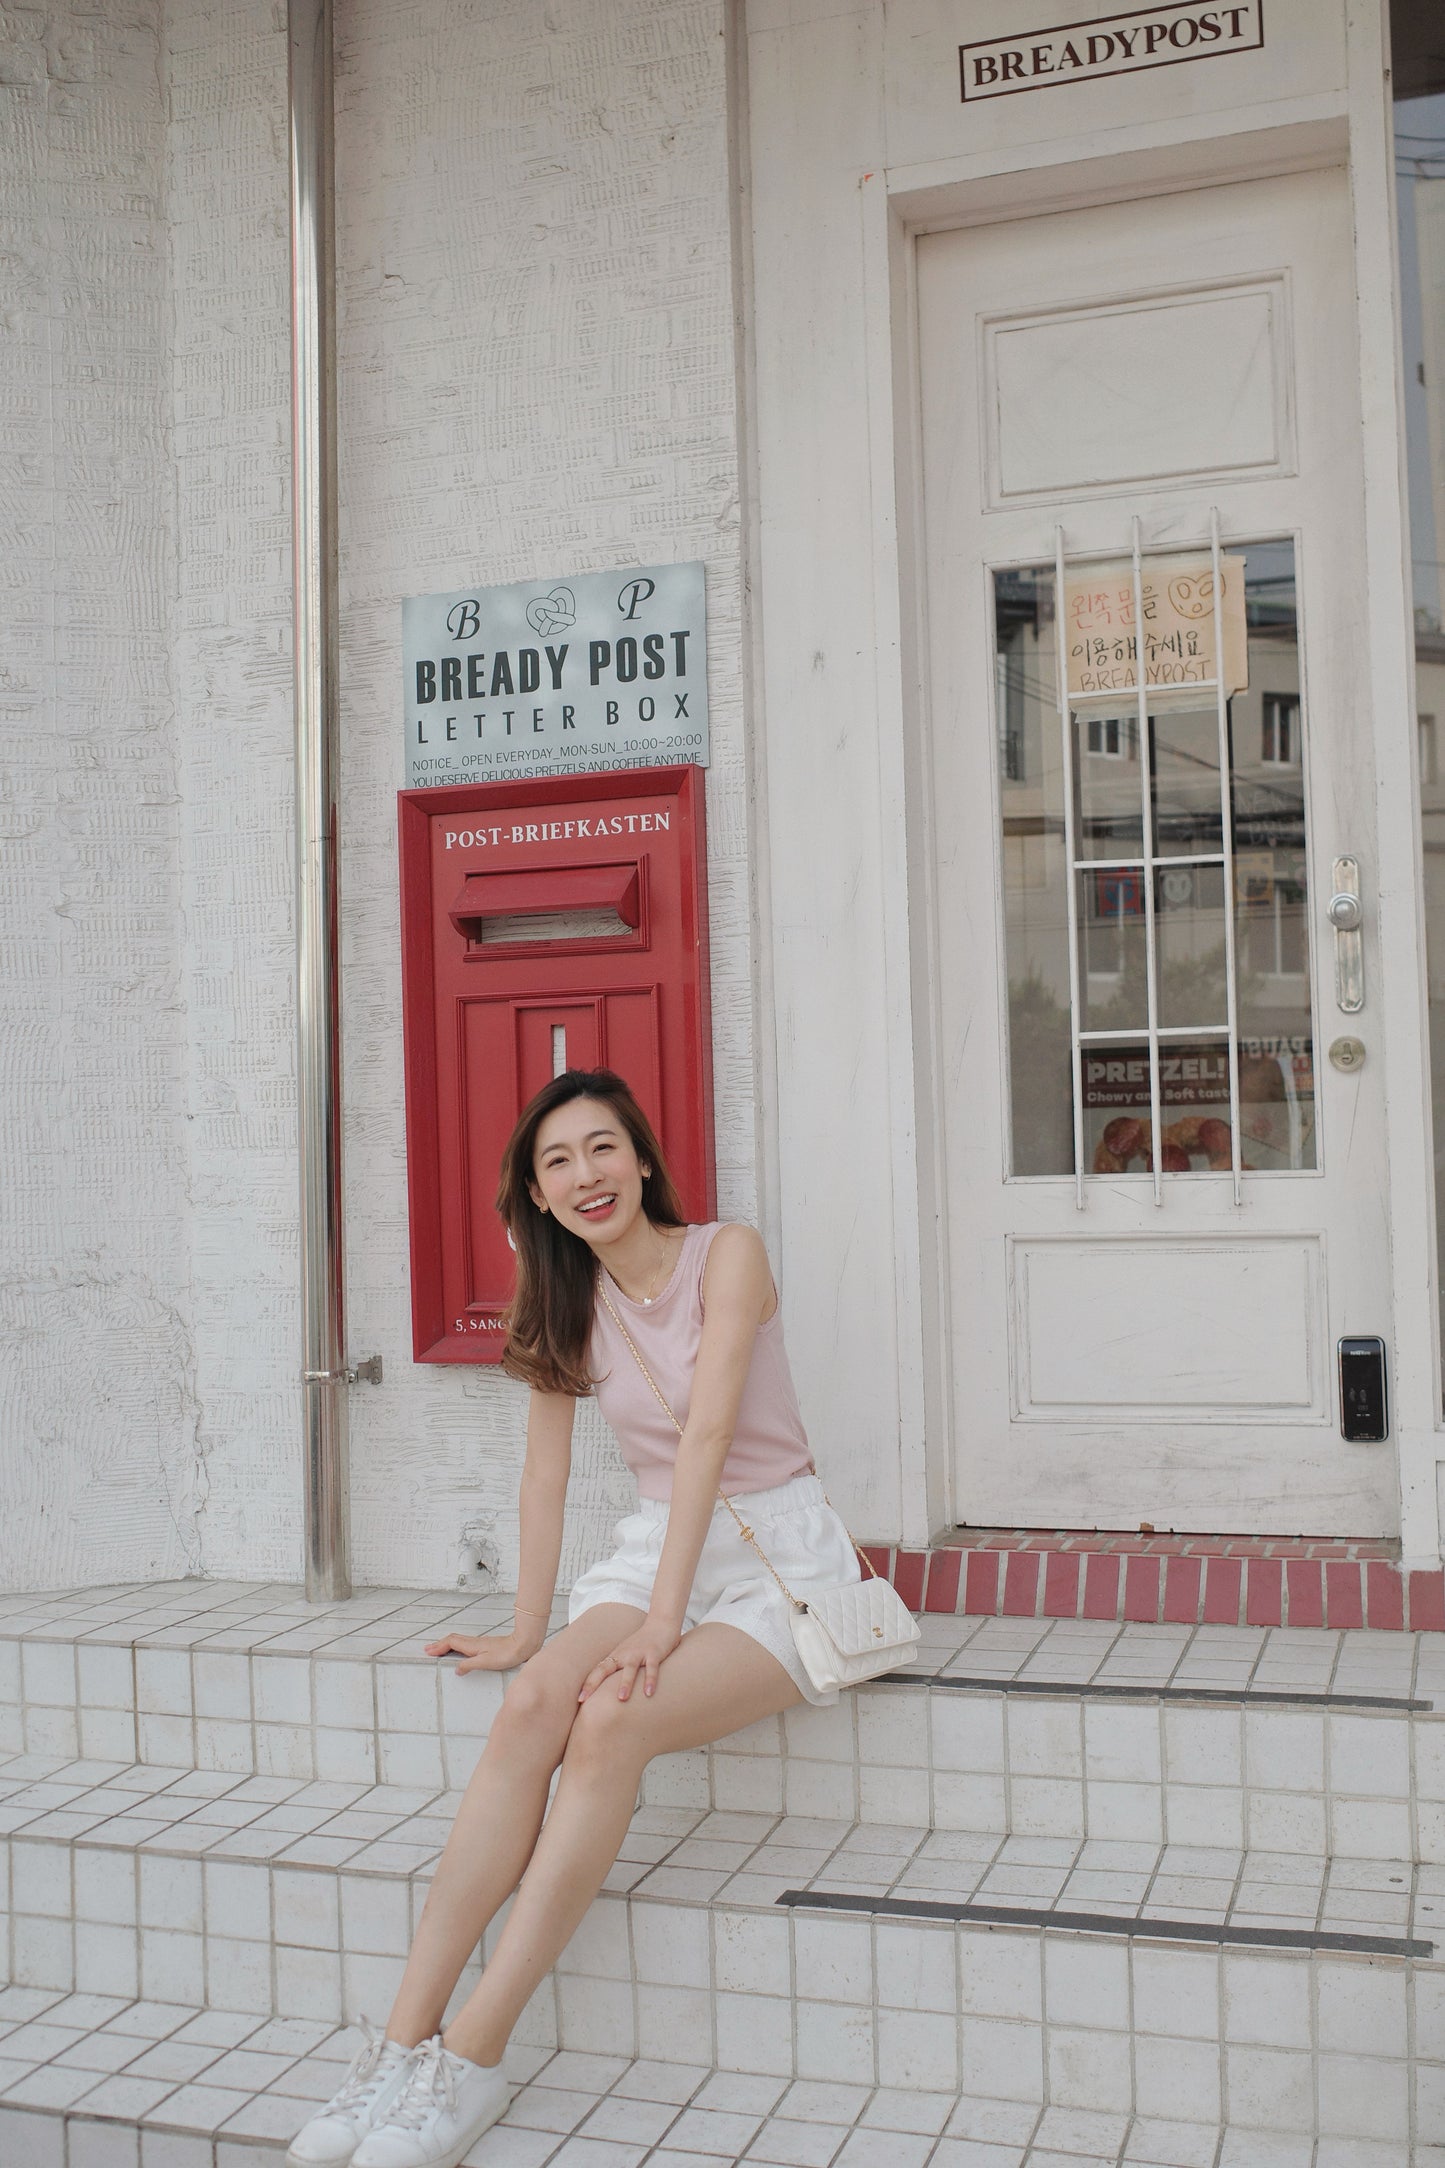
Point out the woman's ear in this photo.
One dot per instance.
(536, 1196)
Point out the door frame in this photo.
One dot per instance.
(1106, 1460)
(913, 214)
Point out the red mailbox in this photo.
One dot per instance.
(546, 925)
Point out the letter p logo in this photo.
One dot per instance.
(633, 593)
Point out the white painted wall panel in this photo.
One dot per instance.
(537, 360)
(838, 1110)
(537, 378)
(101, 1467)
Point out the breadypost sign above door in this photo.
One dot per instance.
(591, 670)
(1076, 52)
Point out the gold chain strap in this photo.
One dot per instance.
(743, 1527)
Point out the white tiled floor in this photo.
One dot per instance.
(238, 1616)
(164, 2085)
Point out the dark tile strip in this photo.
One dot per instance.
(1103, 1923)
(1240, 1696)
(1157, 1930)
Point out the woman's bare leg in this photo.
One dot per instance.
(715, 1682)
(501, 1812)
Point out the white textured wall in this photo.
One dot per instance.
(101, 1463)
(230, 372)
(537, 377)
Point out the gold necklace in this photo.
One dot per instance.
(652, 1283)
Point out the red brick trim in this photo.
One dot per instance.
(1178, 1580)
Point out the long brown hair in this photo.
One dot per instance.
(549, 1319)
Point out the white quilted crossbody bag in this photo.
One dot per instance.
(843, 1634)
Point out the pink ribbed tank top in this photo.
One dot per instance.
(769, 1445)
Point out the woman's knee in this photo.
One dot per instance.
(608, 1734)
(535, 1715)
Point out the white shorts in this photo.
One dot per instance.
(802, 1535)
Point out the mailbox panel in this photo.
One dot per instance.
(549, 924)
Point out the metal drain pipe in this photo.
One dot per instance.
(318, 1010)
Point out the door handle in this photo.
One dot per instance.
(1346, 914)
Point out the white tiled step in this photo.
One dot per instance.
(689, 1957)
(246, 1681)
(144, 1880)
(273, 1618)
(90, 2083)
(230, 1872)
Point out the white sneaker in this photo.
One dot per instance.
(379, 2070)
(439, 2114)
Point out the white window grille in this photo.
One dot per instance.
(1146, 864)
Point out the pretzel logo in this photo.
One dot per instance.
(549, 614)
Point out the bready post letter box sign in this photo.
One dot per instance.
(554, 924)
(556, 677)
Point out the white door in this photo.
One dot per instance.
(1163, 1202)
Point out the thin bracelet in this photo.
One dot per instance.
(532, 1614)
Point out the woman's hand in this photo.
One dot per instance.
(645, 1651)
(489, 1652)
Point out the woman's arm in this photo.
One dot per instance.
(739, 1290)
(543, 1497)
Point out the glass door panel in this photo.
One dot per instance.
(1109, 820)
(1191, 944)
(1186, 795)
(1169, 1029)
(1113, 949)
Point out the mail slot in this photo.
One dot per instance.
(561, 889)
(594, 888)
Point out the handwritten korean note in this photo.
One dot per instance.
(1179, 625)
